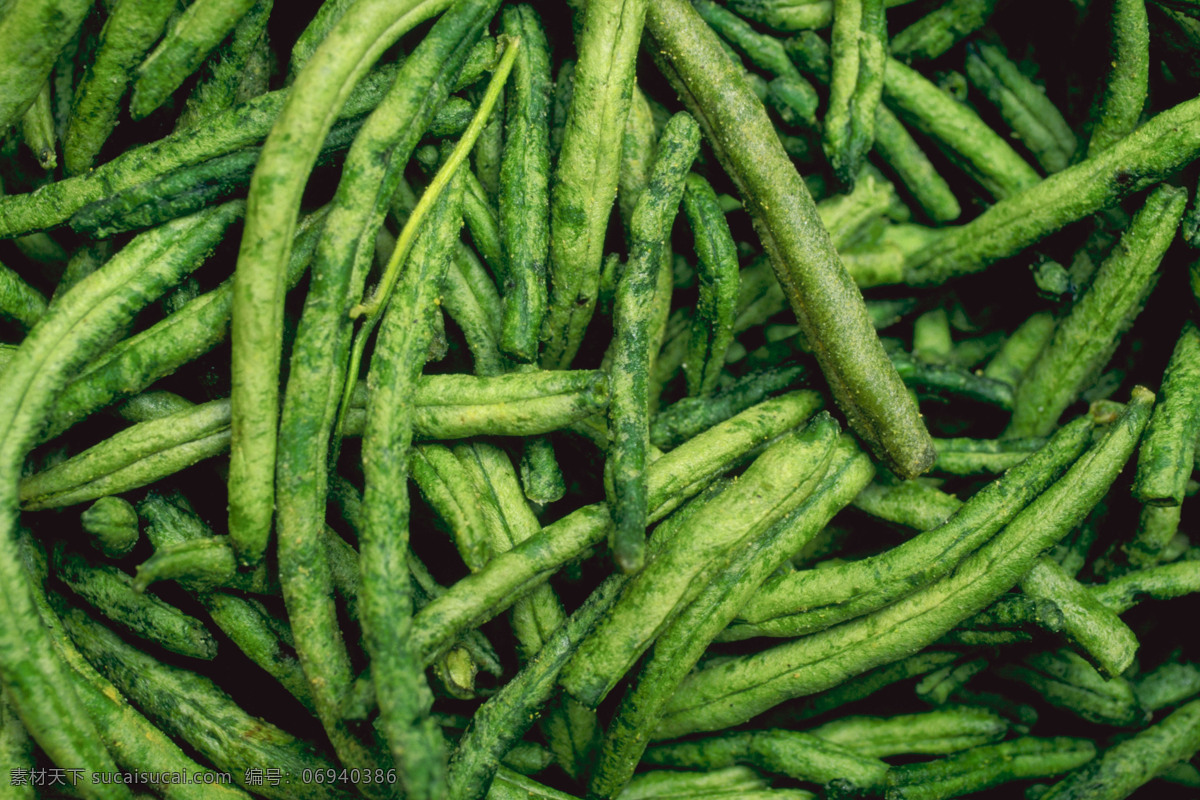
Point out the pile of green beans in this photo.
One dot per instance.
(606, 400)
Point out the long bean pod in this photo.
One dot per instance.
(825, 300)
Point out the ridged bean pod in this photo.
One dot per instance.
(633, 344)
(524, 201)
(858, 51)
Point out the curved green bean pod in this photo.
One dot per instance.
(1167, 454)
(60, 344)
(932, 732)
(1085, 339)
(384, 604)
(858, 52)
(237, 71)
(736, 690)
(196, 32)
(130, 31)
(307, 114)
(841, 592)
(34, 32)
(718, 273)
(1156, 149)
(318, 370)
(1128, 81)
(826, 302)
(988, 766)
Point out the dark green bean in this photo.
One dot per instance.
(34, 33)
(1124, 95)
(1085, 339)
(18, 300)
(524, 200)
(717, 273)
(585, 178)
(931, 732)
(1135, 761)
(629, 404)
(938, 31)
(1167, 454)
(988, 766)
(857, 52)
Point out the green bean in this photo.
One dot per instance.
(858, 49)
(982, 456)
(18, 300)
(113, 525)
(354, 43)
(1063, 679)
(1093, 627)
(1023, 105)
(629, 409)
(235, 72)
(135, 457)
(655, 596)
(687, 417)
(193, 708)
(135, 363)
(469, 297)
(373, 306)
(385, 606)
(488, 153)
(817, 598)
(1128, 765)
(1167, 685)
(637, 153)
(1157, 148)
(797, 755)
(938, 31)
(138, 744)
(524, 187)
(541, 476)
(826, 302)
(564, 89)
(505, 717)
(111, 591)
(980, 150)
(666, 783)
(587, 169)
(706, 700)
(795, 101)
(37, 129)
(717, 271)
(792, 15)
(317, 368)
(681, 644)
(1167, 453)
(1021, 349)
(917, 504)
(764, 51)
(67, 338)
(988, 766)
(1161, 582)
(871, 681)
(128, 33)
(326, 17)
(929, 733)
(1124, 95)
(671, 480)
(35, 33)
(1085, 339)
(195, 33)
